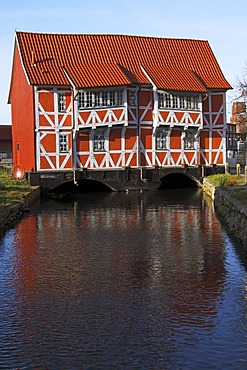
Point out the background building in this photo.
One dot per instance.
(5, 144)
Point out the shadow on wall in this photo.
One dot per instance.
(176, 181)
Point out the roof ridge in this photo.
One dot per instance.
(109, 35)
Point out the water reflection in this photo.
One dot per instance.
(120, 281)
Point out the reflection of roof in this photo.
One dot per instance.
(107, 60)
(5, 132)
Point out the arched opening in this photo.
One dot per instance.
(176, 181)
(81, 186)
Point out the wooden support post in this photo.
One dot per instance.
(203, 171)
(238, 169)
(226, 167)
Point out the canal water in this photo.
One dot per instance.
(122, 281)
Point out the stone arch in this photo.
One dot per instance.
(82, 186)
(178, 180)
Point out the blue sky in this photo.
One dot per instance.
(222, 22)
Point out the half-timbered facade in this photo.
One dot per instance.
(101, 102)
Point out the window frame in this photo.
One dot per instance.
(132, 98)
(189, 139)
(161, 139)
(88, 99)
(99, 141)
(61, 102)
(176, 101)
(63, 145)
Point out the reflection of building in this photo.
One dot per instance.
(113, 101)
(6, 144)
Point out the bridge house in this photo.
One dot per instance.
(105, 103)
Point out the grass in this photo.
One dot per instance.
(15, 190)
(226, 180)
(235, 185)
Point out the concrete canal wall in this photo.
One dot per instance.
(232, 212)
(13, 213)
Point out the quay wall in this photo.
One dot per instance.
(232, 212)
(13, 213)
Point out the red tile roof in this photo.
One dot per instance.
(170, 78)
(107, 60)
(87, 75)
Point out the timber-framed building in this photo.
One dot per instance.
(110, 102)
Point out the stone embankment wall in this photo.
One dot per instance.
(232, 212)
(13, 213)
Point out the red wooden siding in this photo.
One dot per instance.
(22, 111)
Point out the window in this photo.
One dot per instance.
(189, 140)
(188, 102)
(111, 97)
(63, 143)
(161, 101)
(175, 101)
(81, 100)
(195, 102)
(104, 98)
(183, 102)
(61, 102)
(168, 101)
(119, 97)
(89, 100)
(97, 98)
(161, 139)
(132, 97)
(99, 141)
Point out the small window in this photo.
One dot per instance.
(111, 97)
(188, 102)
(99, 141)
(63, 143)
(195, 102)
(182, 102)
(81, 100)
(104, 98)
(168, 101)
(119, 97)
(175, 101)
(97, 98)
(161, 101)
(161, 139)
(132, 98)
(190, 140)
(61, 102)
(89, 100)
